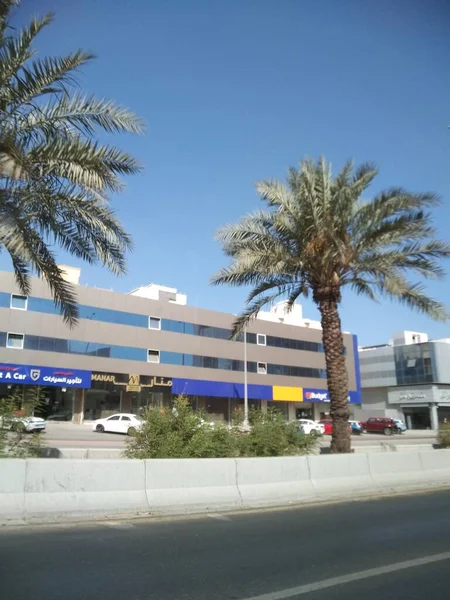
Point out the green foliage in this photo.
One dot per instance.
(183, 433)
(55, 174)
(270, 435)
(237, 416)
(178, 433)
(34, 400)
(14, 441)
(443, 437)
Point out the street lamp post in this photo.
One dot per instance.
(246, 423)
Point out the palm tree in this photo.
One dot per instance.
(318, 237)
(55, 175)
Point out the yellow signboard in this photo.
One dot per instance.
(283, 393)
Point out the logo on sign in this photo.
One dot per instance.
(134, 383)
(35, 374)
(322, 397)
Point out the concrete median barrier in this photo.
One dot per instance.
(340, 475)
(436, 466)
(12, 487)
(84, 487)
(272, 481)
(191, 485)
(48, 489)
(396, 471)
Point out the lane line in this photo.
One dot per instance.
(342, 579)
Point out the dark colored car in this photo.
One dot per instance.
(60, 416)
(380, 425)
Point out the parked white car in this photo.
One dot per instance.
(310, 427)
(119, 423)
(28, 424)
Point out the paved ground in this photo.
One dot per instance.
(395, 548)
(67, 435)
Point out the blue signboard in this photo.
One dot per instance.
(220, 389)
(316, 395)
(47, 376)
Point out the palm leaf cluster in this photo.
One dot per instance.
(319, 236)
(55, 175)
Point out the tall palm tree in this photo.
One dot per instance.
(318, 237)
(55, 175)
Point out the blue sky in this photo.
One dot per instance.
(237, 90)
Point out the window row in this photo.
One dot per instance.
(378, 374)
(95, 313)
(19, 341)
(229, 364)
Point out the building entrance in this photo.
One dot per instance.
(417, 417)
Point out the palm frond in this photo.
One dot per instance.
(317, 236)
(47, 76)
(55, 176)
(84, 114)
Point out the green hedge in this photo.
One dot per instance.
(181, 432)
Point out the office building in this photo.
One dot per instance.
(132, 350)
(408, 378)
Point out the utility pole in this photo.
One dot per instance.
(246, 423)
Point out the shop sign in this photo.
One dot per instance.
(410, 395)
(47, 376)
(317, 395)
(132, 382)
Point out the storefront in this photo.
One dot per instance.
(58, 387)
(117, 392)
(423, 406)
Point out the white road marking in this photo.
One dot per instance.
(219, 517)
(119, 524)
(342, 579)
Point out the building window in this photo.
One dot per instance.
(153, 356)
(154, 323)
(19, 302)
(262, 368)
(261, 339)
(15, 340)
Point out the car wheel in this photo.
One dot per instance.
(19, 427)
(100, 429)
(131, 431)
(387, 431)
(313, 433)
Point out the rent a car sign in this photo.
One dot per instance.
(51, 376)
(317, 395)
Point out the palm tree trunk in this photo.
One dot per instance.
(337, 375)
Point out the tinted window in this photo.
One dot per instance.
(19, 302)
(15, 340)
(154, 323)
(115, 418)
(126, 419)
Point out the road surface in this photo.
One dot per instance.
(68, 435)
(389, 549)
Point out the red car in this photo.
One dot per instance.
(328, 426)
(380, 425)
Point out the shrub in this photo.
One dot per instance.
(271, 435)
(443, 437)
(181, 432)
(15, 443)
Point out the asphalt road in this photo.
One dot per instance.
(393, 548)
(67, 435)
